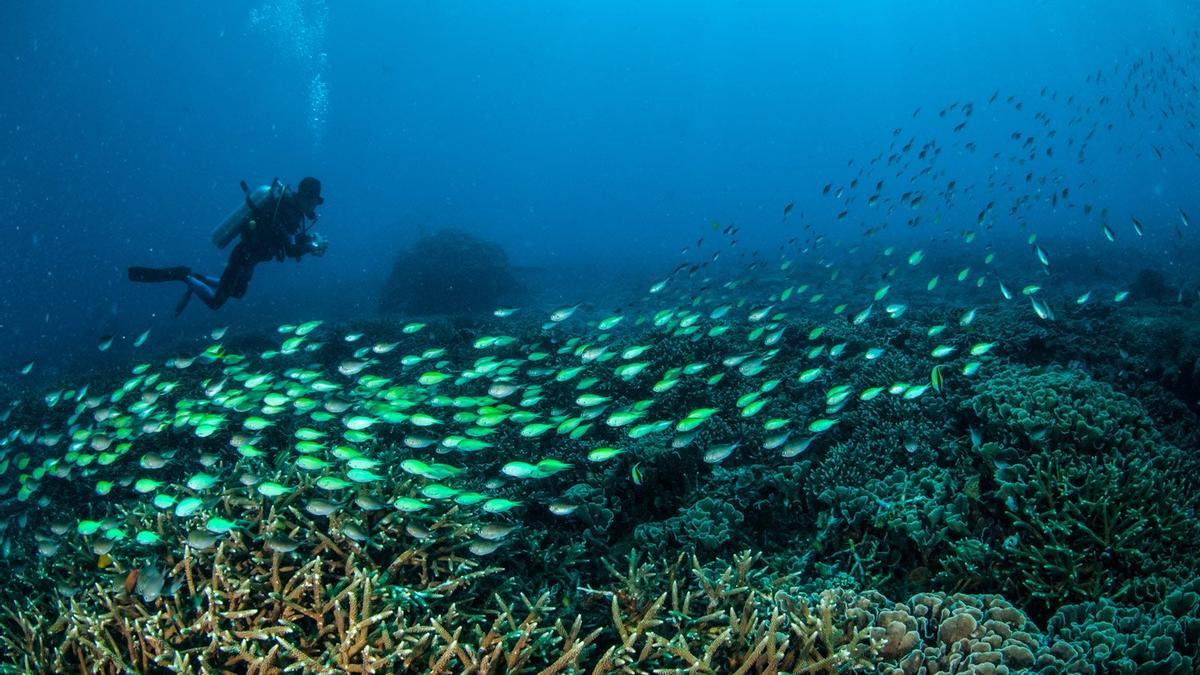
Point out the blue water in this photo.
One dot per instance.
(592, 139)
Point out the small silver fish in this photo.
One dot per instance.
(201, 540)
(321, 507)
(281, 543)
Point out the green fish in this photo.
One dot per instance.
(982, 348)
(536, 429)
(870, 393)
(810, 375)
(332, 483)
(551, 466)
(623, 417)
(499, 505)
(631, 370)
(311, 463)
(363, 476)
(520, 470)
(822, 424)
(603, 454)
(201, 481)
(648, 428)
(439, 491)
(218, 525)
(272, 489)
(409, 505)
(187, 507)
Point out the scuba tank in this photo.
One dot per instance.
(242, 216)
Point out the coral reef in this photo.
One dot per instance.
(1110, 637)
(1151, 285)
(887, 533)
(429, 610)
(1062, 409)
(449, 272)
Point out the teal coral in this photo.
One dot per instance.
(1079, 472)
(910, 526)
(1061, 409)
(709, 524)
(1089, 530)
(1113, 638)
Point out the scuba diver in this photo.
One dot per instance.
(272, 223)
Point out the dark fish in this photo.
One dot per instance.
(149, 583)
(201, 540)
(281, 543)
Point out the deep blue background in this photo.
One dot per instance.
(600, 135)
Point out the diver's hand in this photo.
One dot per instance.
(319, 245)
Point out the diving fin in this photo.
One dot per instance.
(158, 274)
(183, 302)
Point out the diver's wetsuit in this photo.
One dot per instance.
(279, 233)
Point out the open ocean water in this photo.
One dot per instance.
(600, 337)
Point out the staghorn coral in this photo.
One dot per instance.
(730, 618)
(1092, 495)
(1086, 530)
(244, 607)
(343, 615)
(1092, 501)
(334, 614)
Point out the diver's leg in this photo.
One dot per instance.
(209, 295)
(213, 291)
(238, 284)
(236, 276)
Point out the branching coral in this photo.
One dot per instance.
(1086, 530)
